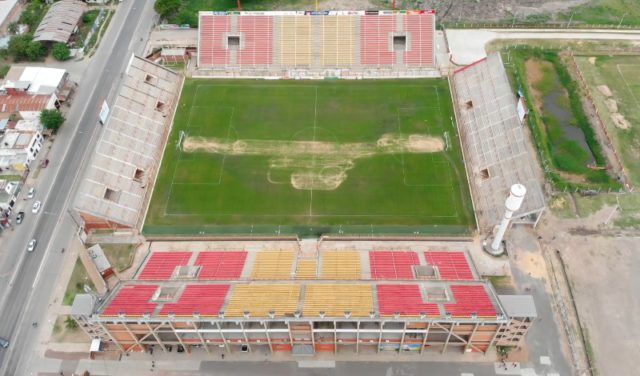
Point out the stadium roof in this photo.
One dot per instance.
(345, 284)
(123, 167)
(60, 21)
(496, 146)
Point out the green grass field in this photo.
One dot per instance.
(312, 157)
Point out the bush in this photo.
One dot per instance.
(70, 323)
(23, 47)
(4, 70)
(167, 8)
(61, 52)
(52, 119)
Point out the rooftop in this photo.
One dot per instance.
(24, 102)
(60, 21)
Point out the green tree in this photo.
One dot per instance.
(52, 119)
(23, 47)
(167, 8)
(4, 70)
(61, 51)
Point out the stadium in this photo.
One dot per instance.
(313, 183)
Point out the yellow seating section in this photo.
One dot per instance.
(341, 265)
(277, 264)
(338, 46)
(295, 40)
(307, 269)
(335, 299)
(259, 299)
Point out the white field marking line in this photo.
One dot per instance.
(224, 156)
(313, 160)
(627, 82)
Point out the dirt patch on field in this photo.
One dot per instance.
(534, 74)
(592, 60)
(604, 89)
(491, 10)
(315, 164)
(620, 121)
(611, 104)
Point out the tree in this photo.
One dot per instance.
(167, 8)
(52, 119)
(61, 52)
(23, 47)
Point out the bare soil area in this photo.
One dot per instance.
(494, 10)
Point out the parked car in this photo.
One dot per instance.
(19, 217)
(36, 207)
(4, 343)
(31, 193)
(32, 245)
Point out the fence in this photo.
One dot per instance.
(305, 231)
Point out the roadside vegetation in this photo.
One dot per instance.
(605, 12)
(558, 121)
(52, 119)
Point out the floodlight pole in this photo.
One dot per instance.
(394, 4)
(239, 6)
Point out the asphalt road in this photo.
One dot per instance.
(32, 276)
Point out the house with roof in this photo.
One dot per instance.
(18, 149)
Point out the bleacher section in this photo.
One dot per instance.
(221, 265)
(338, 45)
(205, 300)
(272, 43)
(470, 300)
(392, 265)
(333, 283)
(421, 30)
(375, 40)
(259, 300)
(132, 300)
(404, 299)
(341, 265)
(273, 265)
(212, 42)
(451, 265)
(256, 48)
(162, 264)
(336, 299)
(307, 269)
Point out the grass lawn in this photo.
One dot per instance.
(119, 255)
(609, 12)
(312, 157)
(79, 278)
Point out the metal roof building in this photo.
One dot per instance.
(60, 21)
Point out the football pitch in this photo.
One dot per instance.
(311, 157)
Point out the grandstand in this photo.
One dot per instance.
(335, 43)
(281, 300)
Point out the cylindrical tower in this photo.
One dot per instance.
(513, 203)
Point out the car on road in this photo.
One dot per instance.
(36, 207)
(32, 245)
(19, 217)
(4, 343)
(31, 193)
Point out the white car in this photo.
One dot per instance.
(32, 245)
(31, 193)
(36, 207)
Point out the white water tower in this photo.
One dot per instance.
(513, 203)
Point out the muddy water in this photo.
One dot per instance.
(551, 102)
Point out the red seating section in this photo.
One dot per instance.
(132, 300)
(420, 27)
(162, 264)
(392, 265)
(221, 265)
(256, 40)
(204, 299)
(470, 299)
(452, 265)
(211, 49)
(375, 45)
(405, 299)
